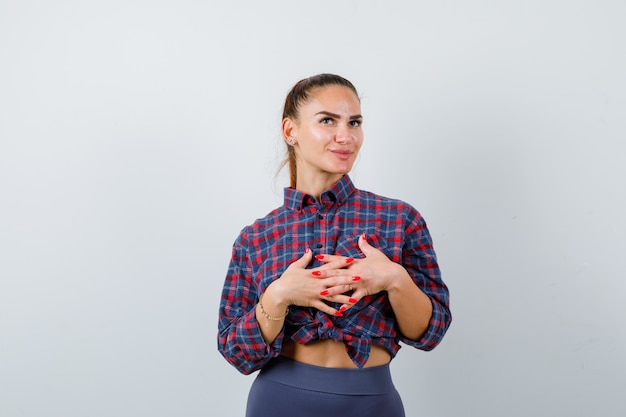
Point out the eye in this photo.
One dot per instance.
(356, 123)
(326, 121)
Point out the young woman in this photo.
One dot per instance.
(320, 292)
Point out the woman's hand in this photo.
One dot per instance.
(306, 287)
(366, 276)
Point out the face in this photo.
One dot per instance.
(328, 133)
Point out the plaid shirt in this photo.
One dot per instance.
(332, 225)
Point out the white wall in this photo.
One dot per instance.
(138, 137)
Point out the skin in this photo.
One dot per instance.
(328, 136)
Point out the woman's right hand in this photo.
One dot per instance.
(300, 287)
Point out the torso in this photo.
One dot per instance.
(331, 354)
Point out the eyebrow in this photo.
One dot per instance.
(336, 116)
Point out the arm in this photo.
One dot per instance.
(417, 295)
(240, 338)
(247, 338)
(420, 263)
(412, 307)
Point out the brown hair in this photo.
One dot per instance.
(300, 94)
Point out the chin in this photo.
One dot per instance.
(340, 171)
(342, 168)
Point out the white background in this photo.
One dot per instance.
(138, 137)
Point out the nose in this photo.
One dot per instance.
(343, 134)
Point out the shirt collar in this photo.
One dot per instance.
(337, 193)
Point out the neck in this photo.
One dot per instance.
(317, 184)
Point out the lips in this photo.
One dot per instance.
(343, 154)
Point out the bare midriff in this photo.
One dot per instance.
(331, 354)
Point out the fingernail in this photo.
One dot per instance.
(307, 250)
(325, 292)
(342, 309)
(319, 257)
(338, 314)
(364, 236)
(348, 260)
(354, 278)
(352, 300)
(317, 273)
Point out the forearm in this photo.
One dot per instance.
(270, 314)
(412, 308)
(241, 338)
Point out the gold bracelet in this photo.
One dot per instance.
(267, 316)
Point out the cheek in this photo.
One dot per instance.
(314, 136)
(359, 143)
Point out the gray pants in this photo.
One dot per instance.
(286, 388)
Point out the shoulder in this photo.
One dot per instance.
(383, 204)
(265, 224)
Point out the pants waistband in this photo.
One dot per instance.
(351, 381)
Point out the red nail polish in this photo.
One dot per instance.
(349, 260)
(352, 300)
(356, 278)
(338, 314)
(364, 236)
(325, 292)
(307, 250)
(342, 309)
(319, 257)
(317, 273)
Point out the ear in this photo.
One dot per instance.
(289, 128)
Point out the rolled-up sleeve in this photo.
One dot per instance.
(239, 337)
(420, 261)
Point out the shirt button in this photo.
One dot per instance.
(319, 246)
(320, 216)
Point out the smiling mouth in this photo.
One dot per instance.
(344, 155)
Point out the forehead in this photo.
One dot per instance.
(333, 98)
